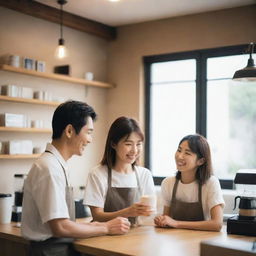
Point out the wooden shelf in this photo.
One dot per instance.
(55, 76)
(31, 101)
(21, 129)
(5, 156)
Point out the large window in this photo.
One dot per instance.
(172, 93)
(192, 92)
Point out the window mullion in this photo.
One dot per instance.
(201, 96)
(147, 75)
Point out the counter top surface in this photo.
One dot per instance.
(152, 241)
(139, 241)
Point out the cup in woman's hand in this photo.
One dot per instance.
(149, 200)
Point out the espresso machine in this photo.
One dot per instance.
(244, 223)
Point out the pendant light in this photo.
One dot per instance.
(249, 72)
(61, 51)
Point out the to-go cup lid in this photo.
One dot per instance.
(5, 195)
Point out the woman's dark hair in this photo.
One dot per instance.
(120, 128)
(199, 145)
(71, 112)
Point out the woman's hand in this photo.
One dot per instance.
(165, 221)
(134, 210)
(138, 209)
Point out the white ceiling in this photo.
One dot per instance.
(134, 11)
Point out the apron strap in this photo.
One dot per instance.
(47, 151)
(110, 179)
(174, 189)
(138, 180)
(69, 192)
(200, 193)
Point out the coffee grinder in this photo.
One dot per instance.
(244, 223)
(18, 197)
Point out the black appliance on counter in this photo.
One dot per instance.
(244, 223)
(81, 210)
(18, 196)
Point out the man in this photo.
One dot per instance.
(48, 216)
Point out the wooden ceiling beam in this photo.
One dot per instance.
(48, 13)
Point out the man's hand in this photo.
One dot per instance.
(118, 226)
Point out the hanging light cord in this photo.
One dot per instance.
(61, 3)
(251, 49)
(61, 21)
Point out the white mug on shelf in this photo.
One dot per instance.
(88, 76)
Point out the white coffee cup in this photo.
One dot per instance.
(5, 208)
(149, 200)
(88, 76)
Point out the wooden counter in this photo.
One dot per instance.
(140, 241)
(152, 241)
(11, 242)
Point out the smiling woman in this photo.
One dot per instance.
(114, 188)
(192, 188)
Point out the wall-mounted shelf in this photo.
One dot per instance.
(55, 76)
(31, 101)
(5, 156)
(21, 129)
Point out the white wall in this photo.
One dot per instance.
(185, 33)
(24, 35)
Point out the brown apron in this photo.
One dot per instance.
(186, 211)
(120, 198)
(55, 246)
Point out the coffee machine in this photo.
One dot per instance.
(244, 223)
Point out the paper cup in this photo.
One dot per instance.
(149, 200)
(5, 208)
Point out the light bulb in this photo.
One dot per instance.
(61, 50)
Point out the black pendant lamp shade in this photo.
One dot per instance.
(249, 72)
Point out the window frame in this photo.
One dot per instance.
(201, 57)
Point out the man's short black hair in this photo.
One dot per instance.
(71, 112)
